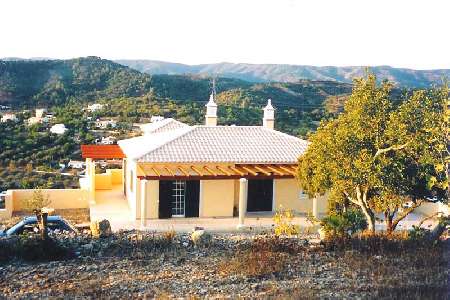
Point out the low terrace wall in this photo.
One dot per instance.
(59, 199)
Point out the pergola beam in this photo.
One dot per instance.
(156, 171)
(209, 171)
(278, 172)
(262, 170)
(206, 172)
(196, 171)
(223, 170)
(249, 170)
(183, 171)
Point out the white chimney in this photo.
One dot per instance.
(211, 112)
(269, 115)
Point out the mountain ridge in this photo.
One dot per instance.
(402, 77)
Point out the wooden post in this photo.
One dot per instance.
(243, 188)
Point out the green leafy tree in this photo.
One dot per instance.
(377, 155)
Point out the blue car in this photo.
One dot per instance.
(29, 225)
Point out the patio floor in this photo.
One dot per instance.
(112, 206)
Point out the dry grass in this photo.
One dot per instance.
(265, 256)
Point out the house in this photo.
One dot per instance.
(76, 164)
(95, 107)
(105, 124)
(175, 170)
(109, 140)
(39, 117)
(58, 129)
(9, 117)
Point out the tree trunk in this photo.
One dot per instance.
(42, 224)
(370, 217)
(368, 213)
(389, 224)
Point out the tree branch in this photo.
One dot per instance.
(428, 218)
(406, 212)
(391, 148)
(351, 199)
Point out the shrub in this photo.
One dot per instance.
(397, 242)
(344, 224)
(265, 255)
(32, 248)
(169, 235)
(418, 233)
(283, 223)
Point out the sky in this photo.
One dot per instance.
(400, 33)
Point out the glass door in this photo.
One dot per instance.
(178, 198)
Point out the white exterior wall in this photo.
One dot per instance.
(133, 195)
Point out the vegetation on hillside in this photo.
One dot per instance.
(292, 73)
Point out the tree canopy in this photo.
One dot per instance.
(379, 154)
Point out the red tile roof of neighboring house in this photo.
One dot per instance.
(102, 151)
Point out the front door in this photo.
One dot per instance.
(179, 198)
(260, 194)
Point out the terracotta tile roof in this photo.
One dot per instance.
(102, 151)
(205, 144)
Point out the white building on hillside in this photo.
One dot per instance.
(104, 124)
(9, 117)
(95, 107)
(58, 129)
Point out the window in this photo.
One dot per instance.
(178, 198)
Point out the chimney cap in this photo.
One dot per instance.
(211, 102)
(269, 105)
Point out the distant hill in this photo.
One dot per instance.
(49, 82)
(56, 81)
(292, 73)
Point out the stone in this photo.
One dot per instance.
(201, 238)
(101, 229)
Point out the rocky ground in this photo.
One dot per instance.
(136, 265)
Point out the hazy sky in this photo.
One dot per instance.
(401, 33)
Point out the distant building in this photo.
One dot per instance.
(34, 120)
(156, 118)
(109, 140)
(95, 107)
(9, 117)
(40, 117)
(40, 112)
(76, 164)
(58, 129)
(104, 124)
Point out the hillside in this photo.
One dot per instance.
(55, 81)
(50, 82)
(291, 73)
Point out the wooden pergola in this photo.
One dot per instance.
(173, 171)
